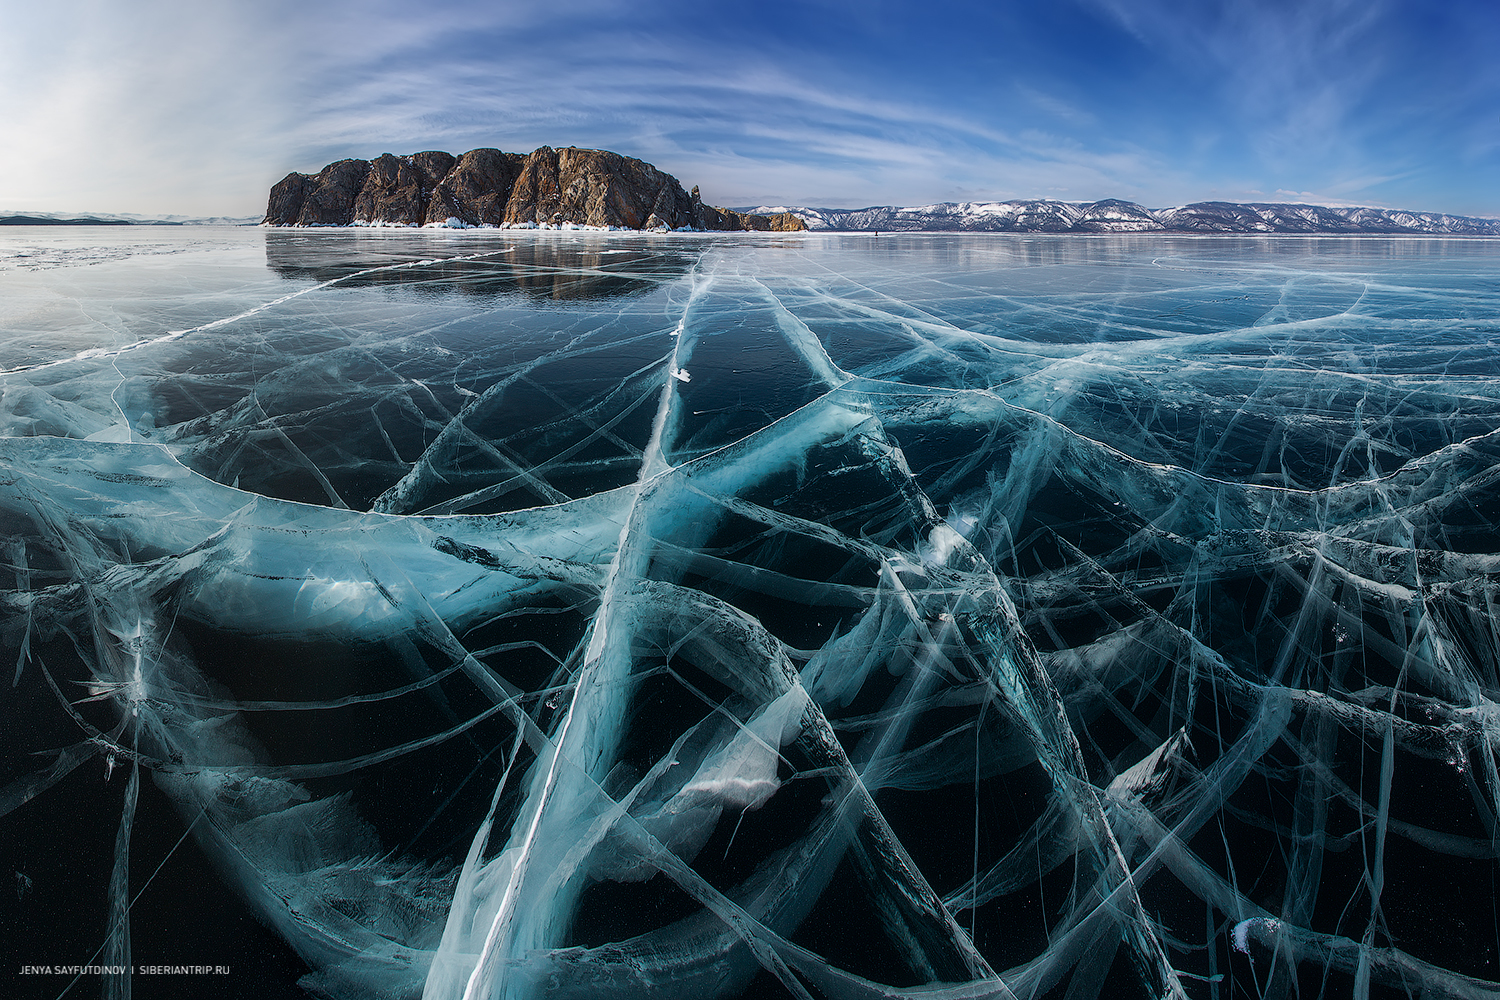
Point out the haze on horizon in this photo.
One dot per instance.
(169, 107)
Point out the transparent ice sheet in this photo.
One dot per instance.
(817, 616)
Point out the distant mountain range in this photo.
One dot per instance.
(48, 220)
(98, 219)
(1115, 216)
(1033, 216)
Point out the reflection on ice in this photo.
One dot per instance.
(479, 264)
(952, 617)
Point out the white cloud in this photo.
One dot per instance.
(167, 106)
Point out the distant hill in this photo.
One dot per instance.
(43, 220)
(1115, 216)
(72, 219)
(486, 187)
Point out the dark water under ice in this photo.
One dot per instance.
(581, 615)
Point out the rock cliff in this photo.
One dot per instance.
(487, 187)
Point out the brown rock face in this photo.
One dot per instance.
(596, 188)
(398, 188)
(589, 187)
(477, 189)
(324, 200)
(284, 207)
(708, 217)
(330, 195)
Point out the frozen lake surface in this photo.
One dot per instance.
(495, 615)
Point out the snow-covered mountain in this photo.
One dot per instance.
(1115, 216)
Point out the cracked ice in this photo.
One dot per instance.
(981, 618)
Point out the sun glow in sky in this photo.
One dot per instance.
(169, 106)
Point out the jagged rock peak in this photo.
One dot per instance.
(398, 188)
(487, 187)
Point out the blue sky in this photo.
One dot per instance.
(165, 106)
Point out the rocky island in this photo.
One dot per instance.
(487, 187)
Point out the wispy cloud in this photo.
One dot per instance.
(170, 106)
(1335, 92)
